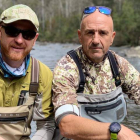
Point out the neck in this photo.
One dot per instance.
(12, 63)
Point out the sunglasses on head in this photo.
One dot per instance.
(102, 9)
(14, 32)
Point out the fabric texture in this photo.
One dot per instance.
(100, 81)
(19, 12)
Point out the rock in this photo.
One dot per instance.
(132, 52)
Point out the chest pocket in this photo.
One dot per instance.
(14, 121)
(2, 91)
(110, 107)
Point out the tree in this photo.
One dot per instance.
(126, 24)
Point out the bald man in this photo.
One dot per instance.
(95, 109)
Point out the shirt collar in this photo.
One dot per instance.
(18, 71)
(86, 60)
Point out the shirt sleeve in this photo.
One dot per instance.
(65, 82)
(130, 78)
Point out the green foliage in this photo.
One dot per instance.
(62, 29)
(126, 22)
(107, 3)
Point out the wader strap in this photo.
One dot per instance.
(34, 78)
(34, 82)
(74, 56)
(114, 68)
(113, 64)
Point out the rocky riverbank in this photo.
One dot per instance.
(132, 52)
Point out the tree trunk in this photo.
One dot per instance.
(43, 14)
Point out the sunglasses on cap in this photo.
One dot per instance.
(14, 32)
(102, 9)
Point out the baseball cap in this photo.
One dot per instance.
(19, 12)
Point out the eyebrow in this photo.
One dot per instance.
(87, 30)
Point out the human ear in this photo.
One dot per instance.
(0, 31)
(112, 37)
(36, 36)
(79, 35)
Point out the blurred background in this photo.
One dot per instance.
(60, 19)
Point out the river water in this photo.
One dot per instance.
(50, 53)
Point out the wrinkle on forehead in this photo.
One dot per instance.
(97, 18)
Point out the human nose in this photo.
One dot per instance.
(19, 39)
(95, 38)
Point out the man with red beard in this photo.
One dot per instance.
(25, 83)
(88, 84)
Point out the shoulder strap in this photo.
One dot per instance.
(74, 56)
(34, 78)
(114, 68)
(113, 64)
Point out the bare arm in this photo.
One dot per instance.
(79, 128)
(1, 138)
(127, 134)
(76, 127)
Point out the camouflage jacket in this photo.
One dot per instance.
(99, 81)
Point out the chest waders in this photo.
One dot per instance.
(15, 121)
(109, 107)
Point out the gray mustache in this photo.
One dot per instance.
(95, 46)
